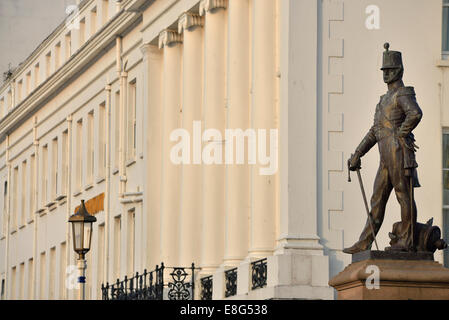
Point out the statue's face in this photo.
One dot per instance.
(392, 75)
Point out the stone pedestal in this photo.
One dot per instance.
(379, 275)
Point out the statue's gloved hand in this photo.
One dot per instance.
(354, 162)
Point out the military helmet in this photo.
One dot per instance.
(392, 59)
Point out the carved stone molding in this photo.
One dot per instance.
(169, 37)
(189, 20)
(210, 5)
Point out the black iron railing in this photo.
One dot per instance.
(231, 282)
(259, 273)
(180, 285)
(206, 288)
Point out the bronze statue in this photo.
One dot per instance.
(397, 114)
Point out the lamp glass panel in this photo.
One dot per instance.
(77, 235)
(87, 235)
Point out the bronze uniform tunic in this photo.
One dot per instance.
(397, 114)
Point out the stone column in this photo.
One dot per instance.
(192, 100)
(238, 96)
(214, 118)
(170, 41)
(69, 244)
(107, 213)
(36, 206)
(298, 250)
(123, 131)
(8, 223)
(152, 108)
(265, 117)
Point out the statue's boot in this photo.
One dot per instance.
(359, 246)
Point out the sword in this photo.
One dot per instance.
(364, 200)
(412, 215)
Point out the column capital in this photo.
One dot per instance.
(169, 37)
(189, 20)
(147, 48)
(211, 5)
(107, 87)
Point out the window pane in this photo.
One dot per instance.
(446, 151)
(445, 1)
(446, 188)
(445, 232)
(445, 29)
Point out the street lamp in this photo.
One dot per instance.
(82, 235)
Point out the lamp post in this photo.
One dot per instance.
(82, 223)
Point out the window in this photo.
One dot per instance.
(445, 32)
(42, 277)
(2, 107)
(23, 194)
(13, 283)
(44, 176)
(62, 270)
(78, 154)
(21, 281)
(2, 297)
(93, 21)
(104, 11)
(5, 203)
(9, 100)
(54, 168)
(32, 186)
(102, 140)
(65, 166)
(446, 193)
(131, 242)
(52, 274)
(30, 278)
(57, 55)
(19, 90)
(36, 75)
(82, 31)
(28, 83)
(68, 45)
(15, 196)
(48, 65)
(100, 264)
(132, 121)
(90, 147)
(117, 243)
(117, 130)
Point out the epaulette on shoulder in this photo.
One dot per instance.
(406, 91)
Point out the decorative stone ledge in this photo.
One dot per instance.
(169, 37)
(188, 21)
(212, 5)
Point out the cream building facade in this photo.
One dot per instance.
(89, 116)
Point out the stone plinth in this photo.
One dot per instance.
(402, 276)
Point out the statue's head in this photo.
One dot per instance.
(392, 65)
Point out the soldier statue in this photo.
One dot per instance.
(397, 114)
